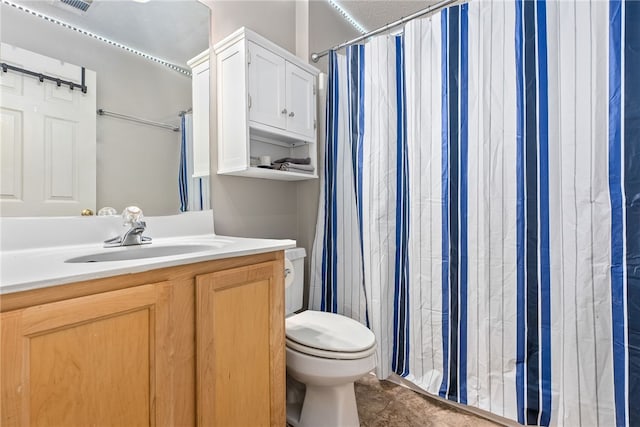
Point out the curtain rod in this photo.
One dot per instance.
(102, 112)
(431, 9)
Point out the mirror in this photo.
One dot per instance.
(136, 164)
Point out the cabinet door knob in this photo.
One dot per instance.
(291, 114)
(284, 111)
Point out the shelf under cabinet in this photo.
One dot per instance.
(255, 172)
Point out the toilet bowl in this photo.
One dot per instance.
(325, 354)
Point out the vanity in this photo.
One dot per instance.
(193, 336)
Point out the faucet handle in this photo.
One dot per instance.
(132, 214)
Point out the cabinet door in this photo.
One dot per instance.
(86, 361)
(232, 112)
(301, 101)
(240, 346)
(266, 87)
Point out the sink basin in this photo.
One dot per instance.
(140, 252)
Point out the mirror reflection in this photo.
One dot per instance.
(135, 65)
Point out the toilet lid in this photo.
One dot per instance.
(329, 332)
(326, 354)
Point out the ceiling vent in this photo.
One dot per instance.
(76, 5)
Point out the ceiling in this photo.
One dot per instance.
(172, 30)
(372, 14)
(177, 30)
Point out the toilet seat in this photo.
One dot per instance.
(329, 335)
(327, 354)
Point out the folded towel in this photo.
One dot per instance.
(297, 171)
(289, 166)
(297, 161)
(292, 167)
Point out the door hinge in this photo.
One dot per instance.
(248, 57)
(249, 101)
(314, 89)
(314, 124)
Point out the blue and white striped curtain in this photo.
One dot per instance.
(480, 206)
(193, 191)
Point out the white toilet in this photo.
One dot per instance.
(326, 353)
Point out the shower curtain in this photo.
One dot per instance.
(193, 191)
(480, 206)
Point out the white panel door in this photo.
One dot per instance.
(301, 101)
(11, 155)
(48, 141)
(266, 87)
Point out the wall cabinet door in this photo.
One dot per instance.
(301, 101)
(266, 87)
(240, 346)
(94, 360)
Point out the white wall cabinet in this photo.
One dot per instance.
(266, 102)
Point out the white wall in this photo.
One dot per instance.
(136, 164)
(267, 208)
(250, 207)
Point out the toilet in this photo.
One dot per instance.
(326, 353)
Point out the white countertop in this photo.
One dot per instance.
(36, 268)
(28, 263)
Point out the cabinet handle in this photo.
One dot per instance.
(291, 114)
(284, 111)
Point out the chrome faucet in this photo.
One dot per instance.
(132, 216)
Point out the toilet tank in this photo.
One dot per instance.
(294, 279)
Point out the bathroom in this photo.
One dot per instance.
(581, 367)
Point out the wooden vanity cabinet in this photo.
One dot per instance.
(93, 360)
(240, 346)
(198, 344)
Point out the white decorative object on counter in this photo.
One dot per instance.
(266, 107)
(107, 211)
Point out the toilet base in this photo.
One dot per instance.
(312, 411)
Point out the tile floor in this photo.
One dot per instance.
(385, 404)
